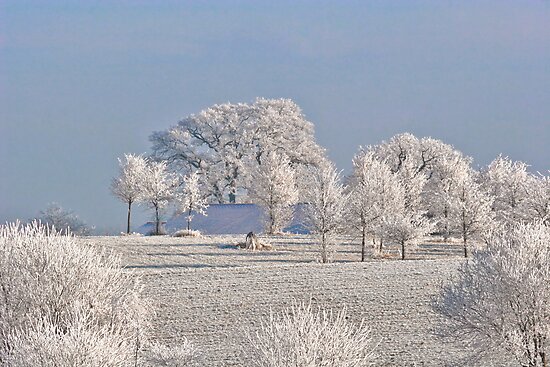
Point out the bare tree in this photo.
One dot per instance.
(325, 209)
(159, 187)
(305, 337)
(441, 191)
(374, 193)
(128, 186)
(404, 228)
(507, 182)
(63, 220)
(191, 198)
(273, 187)
(470, 216)
(500, 300)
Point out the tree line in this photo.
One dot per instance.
(265, 153)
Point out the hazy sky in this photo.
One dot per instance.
(82, 82)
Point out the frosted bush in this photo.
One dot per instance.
(304, 337)
(82, 343)
(182, 355)
(45, 275)
(499, 305)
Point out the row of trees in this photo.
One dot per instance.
(142, 180)
(402, 190)
(265, 152)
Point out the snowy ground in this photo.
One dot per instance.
(213, 293)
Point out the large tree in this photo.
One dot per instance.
(227, 141)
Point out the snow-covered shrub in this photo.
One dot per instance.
(45, 275)
(499, 305)
(305, 337)
(81, 343)
(182, 355)
(186, 233)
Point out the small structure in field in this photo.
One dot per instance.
(252, 242)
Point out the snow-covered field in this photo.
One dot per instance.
(207, 290)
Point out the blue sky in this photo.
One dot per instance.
(82, 82)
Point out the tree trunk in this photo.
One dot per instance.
(137, 347)
(381, 244)
(324, 258)
(157, 221)
(363, 245)
(446, 230)
(189, 220)
(402, 250)
(464, 234)
(129, 211)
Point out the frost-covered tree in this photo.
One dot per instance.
(422, 164)
(470, 215)
(159, 187)
(441, 192)
(326, 204)
(499, 304)
(538, 198)
(273, 187)
(128, 185)
(63, 220)
(227, 141)
(56, 291)
(191, 198)
(374, 193)
(305, 337)
(507, 181)
(404, 228)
